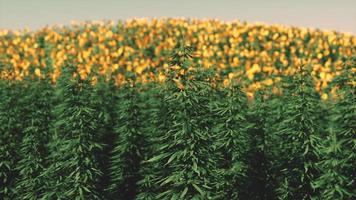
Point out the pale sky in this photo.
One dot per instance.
(337, 15)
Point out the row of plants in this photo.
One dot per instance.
(190, 137)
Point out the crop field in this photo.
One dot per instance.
(177, 109)
(257, 53)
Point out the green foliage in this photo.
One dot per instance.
(186, 138)
(73, 171)
(129, 149)
(232, 140)
(297, 136)
(104, 97)
(184, 164)
(155, 123)
(10, 135)
(273, 110)
(32, 151)
(338, 173)
(256, 186)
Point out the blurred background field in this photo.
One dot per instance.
(255, 53)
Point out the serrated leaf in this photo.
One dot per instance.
(198, 189)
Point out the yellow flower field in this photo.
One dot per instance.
(256, 54)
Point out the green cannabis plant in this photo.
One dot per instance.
(73, 171)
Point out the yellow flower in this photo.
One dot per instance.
(268, 82)
(226, 82)
(231, 75)
(324, 96)
(38, 72)
(161, 77)
(115, 67)
(320, 55)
